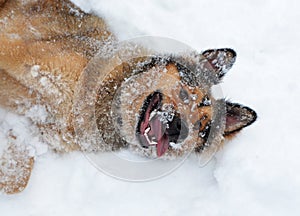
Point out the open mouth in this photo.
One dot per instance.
(160, 125)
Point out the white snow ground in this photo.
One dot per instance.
(258, 173)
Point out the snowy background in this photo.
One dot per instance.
(258, 173)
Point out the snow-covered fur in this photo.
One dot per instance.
(44, 46)
(44, 59)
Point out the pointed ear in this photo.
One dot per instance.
(238, 117)
(220, 60)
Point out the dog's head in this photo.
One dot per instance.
(165, 107)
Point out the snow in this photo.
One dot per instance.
(257, 173)
(35, 69)
(37, 114)
(20, 127)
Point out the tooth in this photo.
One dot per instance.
(147, 130)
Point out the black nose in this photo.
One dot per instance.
(177, 130)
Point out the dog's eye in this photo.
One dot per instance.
(205, 132)
(205, 101)
(184, 96)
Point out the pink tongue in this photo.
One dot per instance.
(158, 130)
(162, 145)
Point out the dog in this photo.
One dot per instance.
(162, 105)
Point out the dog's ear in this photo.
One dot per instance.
(237, 117)
(220, 60)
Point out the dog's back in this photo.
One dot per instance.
(44, 46)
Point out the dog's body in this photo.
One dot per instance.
(44, 48)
